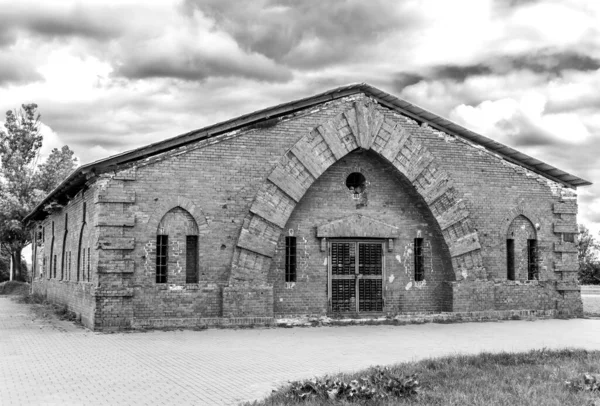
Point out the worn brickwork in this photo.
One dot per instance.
(241, 193)
(500, 192)
(65, 258)
(388, 198)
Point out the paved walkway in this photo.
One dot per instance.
(52, 362)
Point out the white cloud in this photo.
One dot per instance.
(145, 71)
(51, 141)
(522, 122)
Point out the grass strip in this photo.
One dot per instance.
(533, 378)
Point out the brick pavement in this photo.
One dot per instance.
(52, 362)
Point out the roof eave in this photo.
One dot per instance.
(406, 108)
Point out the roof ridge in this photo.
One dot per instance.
(78, 177)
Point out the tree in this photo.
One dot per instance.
(587, 250)
(4, 266)
(24, 183)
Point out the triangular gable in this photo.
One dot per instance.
(79, 177)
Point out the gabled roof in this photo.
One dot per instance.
(76, 180)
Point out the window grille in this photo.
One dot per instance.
(370, 294)
(343, 258)
(63, 269)
(356, 276)
(88, 264)
(510, 260)
(370, 256)
(162, 244)
(532, 257)
(419, 264)
(69, 268)
(83, 264)
(191, 259)
(52, 258)
(290, 259)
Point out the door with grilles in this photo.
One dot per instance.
(355, 276)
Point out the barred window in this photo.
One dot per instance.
(419, 264)
(63, 269)
(532, 258)
(191, 259)
(83, 265)
(81, 251)
(52, 267)
(290, 259)
(162, 245)
(510, 259)
(88, 264)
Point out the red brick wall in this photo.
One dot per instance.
(217, 181)
(73, 289)
(388, 198)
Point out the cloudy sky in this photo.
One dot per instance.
(111, 75)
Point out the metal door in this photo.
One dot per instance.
(355, 276)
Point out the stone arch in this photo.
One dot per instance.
(521, 230)
(163, 206)
(362, 126)
(520, 210)
(166, 226)
(176, 255)
(527, 226)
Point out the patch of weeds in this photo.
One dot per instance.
(379, 383)
(63, 313)
(446, 320)
(43, 307)
(32, 298)
(587, 383)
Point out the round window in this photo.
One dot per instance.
(356, 182)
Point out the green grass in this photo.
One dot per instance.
(42, 307)
(534, 378)
(14, 288)
(591, 305)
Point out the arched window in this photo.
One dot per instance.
(64, 274)
(521, 250)
(177, 248)
(51, 262)
(81, 253)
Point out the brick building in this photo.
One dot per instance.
(348, 202)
